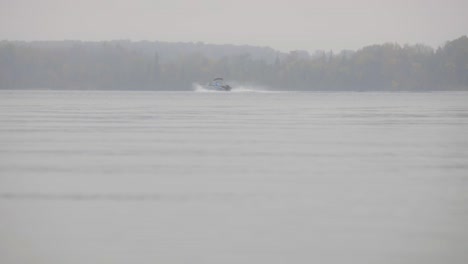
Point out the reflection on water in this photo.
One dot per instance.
(254, 177)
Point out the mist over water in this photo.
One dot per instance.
(249, 176)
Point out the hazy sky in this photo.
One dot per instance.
(283, 25)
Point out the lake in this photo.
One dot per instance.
(241, 177)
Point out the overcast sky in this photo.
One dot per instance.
(281, 24)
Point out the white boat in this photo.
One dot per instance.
(217, 85)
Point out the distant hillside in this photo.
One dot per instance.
(126, 65)
(167, 51)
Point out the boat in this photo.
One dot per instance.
(218, 85)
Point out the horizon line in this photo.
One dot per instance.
(232, 44)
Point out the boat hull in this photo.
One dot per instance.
(224, 88)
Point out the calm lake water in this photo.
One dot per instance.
(242, 177)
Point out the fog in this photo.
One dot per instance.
(282, 25)
(165, 66)
(247, 131)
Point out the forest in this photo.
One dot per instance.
(144, 65)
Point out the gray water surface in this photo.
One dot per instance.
(243, 177)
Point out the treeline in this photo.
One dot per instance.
(126, 65)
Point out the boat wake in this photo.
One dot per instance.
(235, 89)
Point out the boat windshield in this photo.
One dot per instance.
(217, 82)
